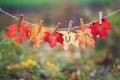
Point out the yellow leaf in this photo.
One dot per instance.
(69, 38)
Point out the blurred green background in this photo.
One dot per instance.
(35, 3)
(99, 63)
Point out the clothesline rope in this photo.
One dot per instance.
(75, 27)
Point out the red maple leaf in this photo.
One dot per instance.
(53, 38)
(19, 32)
(100, 29)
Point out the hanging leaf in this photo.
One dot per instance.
(100, 30)
(53, 38)
(85, 38)
(37, 36)
(69, 38)
(18, 32)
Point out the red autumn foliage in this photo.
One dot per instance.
(100, 29)
(18, 32)
(53, 38)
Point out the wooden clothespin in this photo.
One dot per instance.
(100, 17)
(40, 24)
(70, 25)
(56, 27)
(20, 20)
(68, 38)
(81, 22)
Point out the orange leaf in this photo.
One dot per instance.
(37, 36)
(85, 37)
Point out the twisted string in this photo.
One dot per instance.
(75, 27)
